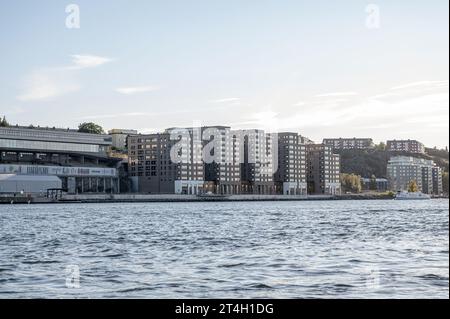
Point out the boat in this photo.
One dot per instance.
(412, 196)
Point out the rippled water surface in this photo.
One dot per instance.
(337, 249)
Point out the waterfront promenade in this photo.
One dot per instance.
(143, 198)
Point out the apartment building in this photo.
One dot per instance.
(222, 160)
(291, 177)
(258, 162)
(323, 176)
(410, 146)
(166, 163)
(437, 180)
(186, 161)
(402, 170)
(349, 143)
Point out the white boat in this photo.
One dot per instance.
(412, 196)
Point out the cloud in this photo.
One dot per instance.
(47, 83)
(334, 94)
(114, 116)
(137, 89)
(421, 84)
(380, 117)
(88, 61)
(227, 100)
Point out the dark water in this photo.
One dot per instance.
(338, 249)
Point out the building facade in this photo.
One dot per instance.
(323, 170)
(222, 160)
(375, 184)
(437, 181)
(166, 163)
(402, 170)
(258, 162)
(119, 138)
(80, 160)
(290, 176)
(410, 146)
(349, 143)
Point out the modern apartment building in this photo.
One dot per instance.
(222, 160)
(349, 143)
(291, 177)
(166, 163)
(410, 146)
(79, 160)
(258, 162)
(402, 170)
(323, 175)
(437, 181)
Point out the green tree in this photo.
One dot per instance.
(90, 128)
(412, 187)
(381, 146)
(4, 122)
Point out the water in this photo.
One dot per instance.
(337, 249)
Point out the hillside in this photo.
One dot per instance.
(374, 162)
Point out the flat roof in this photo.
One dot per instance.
(54, 135)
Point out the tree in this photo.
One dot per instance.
(4, 122)
(412, 187)
(90, 128)
(381, 146)
(351, 183)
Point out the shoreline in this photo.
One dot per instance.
(148, 198)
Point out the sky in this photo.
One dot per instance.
(321, 68)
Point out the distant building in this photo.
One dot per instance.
(349, 143)
(119, 138)
(291, 176)
(79, 160)
(305, 141)
(223, 163)
(402, 170)
(377, 184)
(258, 162)
(410, 146)
(437, 180)
(323, 170)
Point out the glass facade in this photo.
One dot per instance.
(49, 146)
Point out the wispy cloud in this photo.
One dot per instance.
(88, 61)
(45, 84)
(51, 82)
(335, 94)
(114, 116)
(227, 100)
(421, 84)
(137, 89)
